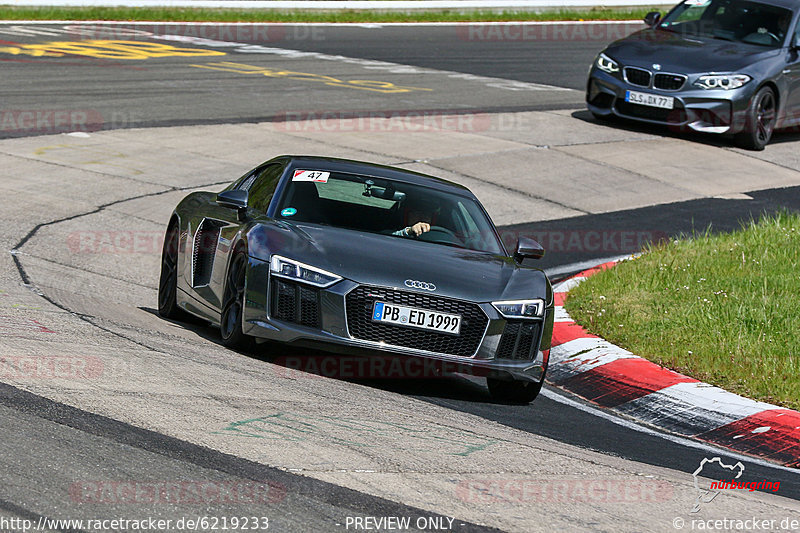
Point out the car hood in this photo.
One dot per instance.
(389, 261)
(683, 55)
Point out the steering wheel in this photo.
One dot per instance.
(755, 37)
(441, 235)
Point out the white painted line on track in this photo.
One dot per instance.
(704, 396)
(552, 395)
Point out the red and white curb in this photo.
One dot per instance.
(616, 379)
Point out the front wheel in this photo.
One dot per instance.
(230, 322)
(513, 391)
(760, 120)
(168, 281)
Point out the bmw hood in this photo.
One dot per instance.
(388, 261)
(685, 55)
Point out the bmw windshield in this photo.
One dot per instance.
(730, 20)
(392, 208)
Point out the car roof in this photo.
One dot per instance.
(350, 166)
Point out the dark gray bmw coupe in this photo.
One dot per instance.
(365, 259)
(716, 66)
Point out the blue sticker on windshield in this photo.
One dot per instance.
(288, 212)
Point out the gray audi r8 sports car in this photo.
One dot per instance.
(365, 259)
(716, 66)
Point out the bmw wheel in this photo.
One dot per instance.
(230, 323)
(760, 120)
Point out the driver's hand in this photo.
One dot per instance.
(419, 228)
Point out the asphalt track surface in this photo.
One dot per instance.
(170, 91)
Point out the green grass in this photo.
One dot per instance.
(724, 309)
(268, 15)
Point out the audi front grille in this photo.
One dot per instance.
(361, 300)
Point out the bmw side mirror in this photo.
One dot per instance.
(234, 199)
(652, 18)
(528, 248)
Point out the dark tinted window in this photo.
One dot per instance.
(730, 20)
(262, 186)
(378, 205)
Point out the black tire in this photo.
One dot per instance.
(168, 281)
(513, 391)
(603, 118)
(759, 120)
(230, 320)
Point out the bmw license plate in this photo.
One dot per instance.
(416, 318)
(652, 100)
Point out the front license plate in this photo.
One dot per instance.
(652, 100)
(416, 318)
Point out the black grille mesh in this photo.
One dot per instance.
(519, 340)
(296, 303)
(668, 82)
(361, 300)
(637, 76)
(205, 246)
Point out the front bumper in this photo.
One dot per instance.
(496, 347)
(695, 109)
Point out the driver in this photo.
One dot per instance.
(416, 229)
(424, 218)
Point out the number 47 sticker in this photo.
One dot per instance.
(311, 175)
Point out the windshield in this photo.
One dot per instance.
(730, 20)
(391, 208)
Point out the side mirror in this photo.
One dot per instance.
(528, 248)
(652, 18)
(796, 43)
(234, 199)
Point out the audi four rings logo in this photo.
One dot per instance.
(414, 284)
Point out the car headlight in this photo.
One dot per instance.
(520, 308)
(722, 81)
(606, 64)
(287, 268)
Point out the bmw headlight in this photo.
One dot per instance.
(722, 81)
(287, 268)
(520, 308)
(606, 64)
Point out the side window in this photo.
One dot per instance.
(262, 188)
(247, 182)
